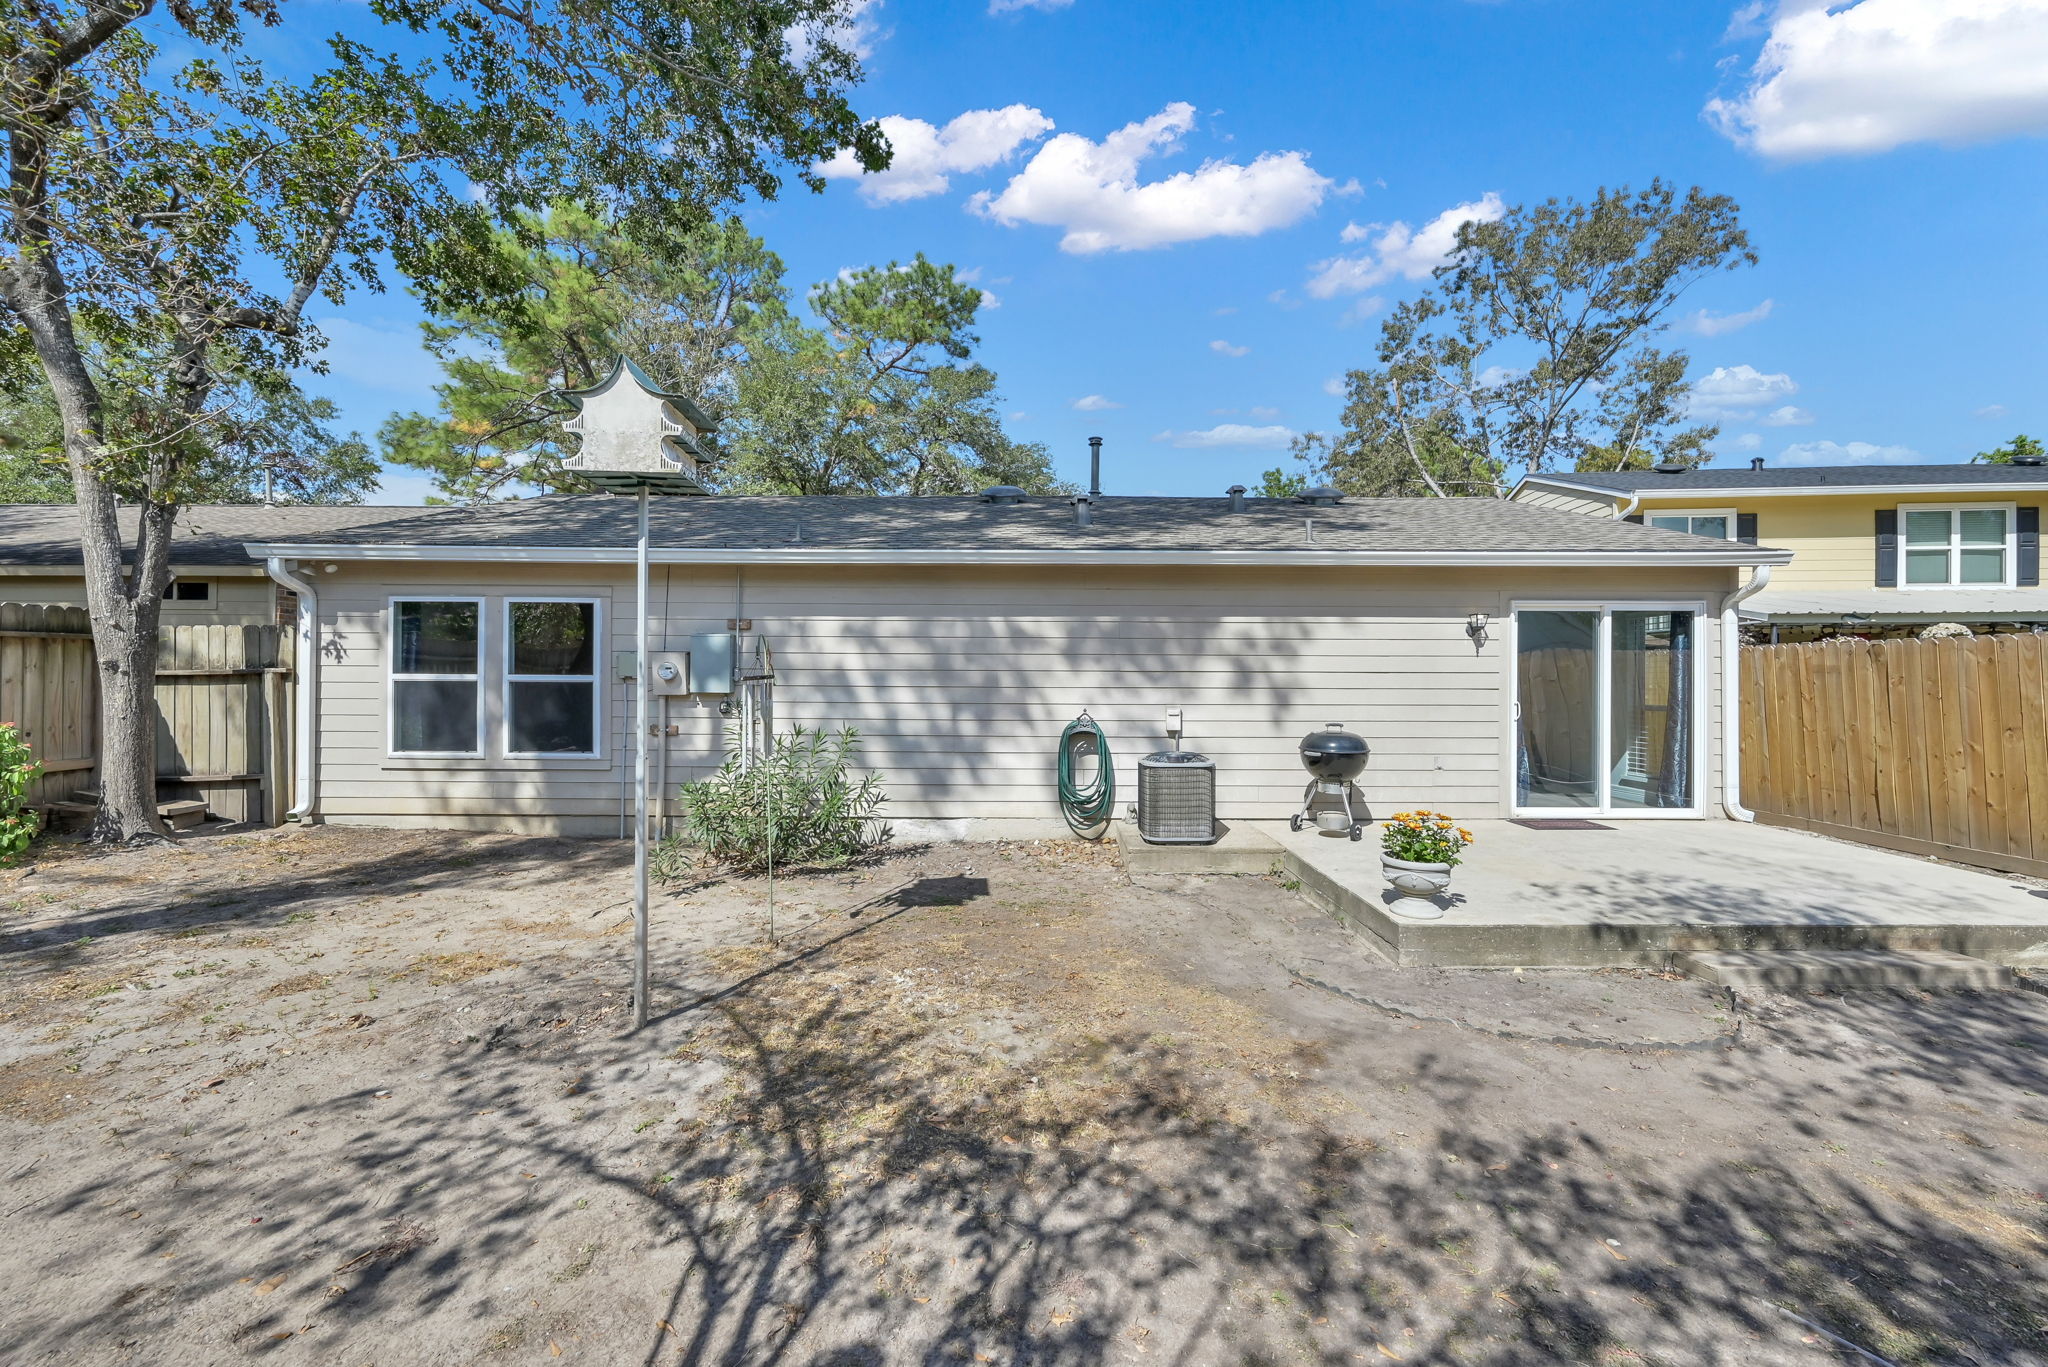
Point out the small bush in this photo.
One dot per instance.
(800, 791)
(18, 769)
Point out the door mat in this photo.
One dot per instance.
(1558, 823)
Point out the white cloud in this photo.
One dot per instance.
(856, 28)
(1092, 191)
(1748, 441)
(1008, 6)
(989, 300)
(1020, 417)
(1398, 250)
(1847, 453)
(1788, 416)
(1707, 323)
(1869, 76)
(403, 489)
(1231, 434)
(1496, 375)
(1361, 310)
(1095, 403)
(1223, 312)
(1990, 410)
(1737, 391)
(923, 156)
(1223, 348)
(1336, 387)
(1263, 412)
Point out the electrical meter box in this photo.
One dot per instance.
(706, 667)
(668, 673)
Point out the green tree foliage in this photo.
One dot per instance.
(1278, 483)
(1532, 347)
(683, 307)
(883, 399)
(18, 769)
(176, 198)
(2021, 446)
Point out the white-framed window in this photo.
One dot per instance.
(435, 691)
(1951, 545)
(190, 591)
(1715, 522)
(551, 679)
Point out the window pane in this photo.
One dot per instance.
(1710, 526)
(1927, 529)
(1927, 567)
(553, 638)
(1558, 684)
(1983, 527)
(1650, 712)
(434, 715)
(1983, 565)
(435, 638)
(1672, 524)
(553, 718)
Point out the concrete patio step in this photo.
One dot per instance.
(1810, 970)
(1239, 848)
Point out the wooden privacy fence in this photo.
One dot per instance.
(1933, 747)
(224, 709)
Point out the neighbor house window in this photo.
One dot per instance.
(1947, 547)
(1715, 522)
(435, 650)
(551, 677)
(190, 591)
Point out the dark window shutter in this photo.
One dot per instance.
(1887, 548)
(2029, 544)
(1636, 518)
(1745, 528)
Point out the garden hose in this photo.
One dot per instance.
(1086, 805)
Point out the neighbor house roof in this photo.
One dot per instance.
(205, 536)
(1042, 529)
(1812, 479)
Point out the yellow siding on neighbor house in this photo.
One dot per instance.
(960, 680)
(1833, 537)
(239, 600)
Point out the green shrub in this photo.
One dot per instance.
(801, 791)
(18, 769)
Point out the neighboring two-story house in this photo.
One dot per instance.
(1879, 549)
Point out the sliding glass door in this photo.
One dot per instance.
(1607, 709)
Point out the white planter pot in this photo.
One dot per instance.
(1416, 880)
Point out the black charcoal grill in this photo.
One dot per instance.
(1333, 757)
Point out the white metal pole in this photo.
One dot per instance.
(640, 788)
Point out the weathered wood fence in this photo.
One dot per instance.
(224, 709)
(1932, 747)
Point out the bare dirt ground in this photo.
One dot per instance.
(361, 1097)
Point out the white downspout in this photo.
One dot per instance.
(304, 758)
(1731, 697)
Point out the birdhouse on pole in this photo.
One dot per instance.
(636, 436)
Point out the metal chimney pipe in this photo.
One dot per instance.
(1084, 509)
(1756, 462)
(1095, 467)
(1237, 503)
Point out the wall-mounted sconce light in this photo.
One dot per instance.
(1475, 627)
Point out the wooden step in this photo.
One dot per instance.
(181, 815)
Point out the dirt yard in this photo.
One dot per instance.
(360, 1097)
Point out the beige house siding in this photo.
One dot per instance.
(237, 600)
(1543, 496)
(960, 680)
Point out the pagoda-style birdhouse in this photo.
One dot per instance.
(636, 436)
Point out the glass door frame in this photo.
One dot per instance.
(1603, 738)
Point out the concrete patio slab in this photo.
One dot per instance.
(1640, 892)
(1808, 970)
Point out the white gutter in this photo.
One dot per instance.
(1697, 493)
(813, 555)
(304, 756)
(1731, 698)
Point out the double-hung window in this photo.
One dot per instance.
(436, 701)
(551, 676)
(1957, 546)
(1715, 522)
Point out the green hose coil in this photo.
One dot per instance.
(1086, 806)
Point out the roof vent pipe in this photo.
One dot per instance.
(1237, 503)
(1084, 509)
(1002, 494)
(1670, 467)
(1095, 467)
(2030, 460)
(1756, 462)
(1321, 496)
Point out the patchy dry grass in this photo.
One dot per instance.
(298, 982)
(44, 1088)
(442, 970)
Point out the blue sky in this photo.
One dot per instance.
(1888, 157)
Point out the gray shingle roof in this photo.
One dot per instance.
(206, 535)
(1047, 523)
(1804, 477)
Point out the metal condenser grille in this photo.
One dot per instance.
(1177, 799)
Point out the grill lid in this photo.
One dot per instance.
(1333, 739)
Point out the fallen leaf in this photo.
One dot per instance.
(1059, 1318)
(666, 1327)
(1388, 1352)
(1619, 1256)
(215, 1083)
(269, 1284)
(554, 1348)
